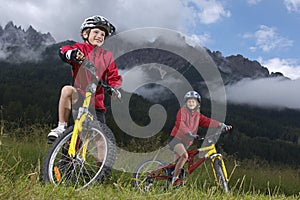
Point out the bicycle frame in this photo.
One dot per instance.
(159, 173)
(212, 154)
(83, 114)
(191, 155)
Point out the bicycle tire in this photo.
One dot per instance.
(60, 169)
(219, 175)
(144, 182)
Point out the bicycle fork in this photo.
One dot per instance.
(82, 115)
(213, 155)
(74, 141)
(221, 161)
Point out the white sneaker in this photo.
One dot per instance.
(55, 133)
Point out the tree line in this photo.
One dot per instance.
(30, 93)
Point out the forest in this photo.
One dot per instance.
(30, 93)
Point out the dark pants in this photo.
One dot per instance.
(173, 141)
(100, 116)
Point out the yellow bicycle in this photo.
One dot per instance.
(84, 153)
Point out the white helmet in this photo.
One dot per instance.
(192, 94)
(98, 21)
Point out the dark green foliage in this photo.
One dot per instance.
(30, 93)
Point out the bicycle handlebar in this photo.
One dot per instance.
(210, 138)
(114, 91)
(191, 135)
(91, 68)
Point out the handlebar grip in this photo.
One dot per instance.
(111, 89)
(117, 93)
(191, 135)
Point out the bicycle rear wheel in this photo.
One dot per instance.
(219, 174)
(150, 176)
(98, 143)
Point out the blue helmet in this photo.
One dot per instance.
(192, 94)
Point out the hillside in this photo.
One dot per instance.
(30, 92)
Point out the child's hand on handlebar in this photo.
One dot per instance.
(116, 94)
(225, 127)
(80, 56)
(75, 55)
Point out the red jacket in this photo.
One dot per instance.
(189, 121)
(106, 69)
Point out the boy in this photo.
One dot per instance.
(188, 120)
(94, 30)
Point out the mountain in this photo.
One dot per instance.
(232, 68)
(32, 74)
(18, 45)
(239, 67)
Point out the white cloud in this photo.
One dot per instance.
(292, 5)
(253, 2)
(195, 40)
(52, 15)
(268, 39)
(288, 67)
(64, 23)
(168, 14)
(272, 92)
(138, 78)
(210, 11)
(45, 16)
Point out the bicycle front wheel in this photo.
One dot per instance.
(219, 174)
(95, 155)
(150, 175)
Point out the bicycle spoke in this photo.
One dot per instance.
(84, 168)
(142, 178)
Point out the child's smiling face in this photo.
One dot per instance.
(191, 103)
(96, 37)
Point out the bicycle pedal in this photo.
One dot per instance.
(51, 140)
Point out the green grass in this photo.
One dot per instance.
(20, 178)
(275, 179)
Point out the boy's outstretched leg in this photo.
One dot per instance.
(64, 108)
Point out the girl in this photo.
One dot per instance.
(188, 120)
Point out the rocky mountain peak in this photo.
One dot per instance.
(31, 30)
(247, 67)
(18, 45)
(9, 25)
(239, 67)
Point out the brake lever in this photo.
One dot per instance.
(114, 91)
(117, 93)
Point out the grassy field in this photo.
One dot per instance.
(20, 178)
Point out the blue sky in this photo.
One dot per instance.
(263, 30)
